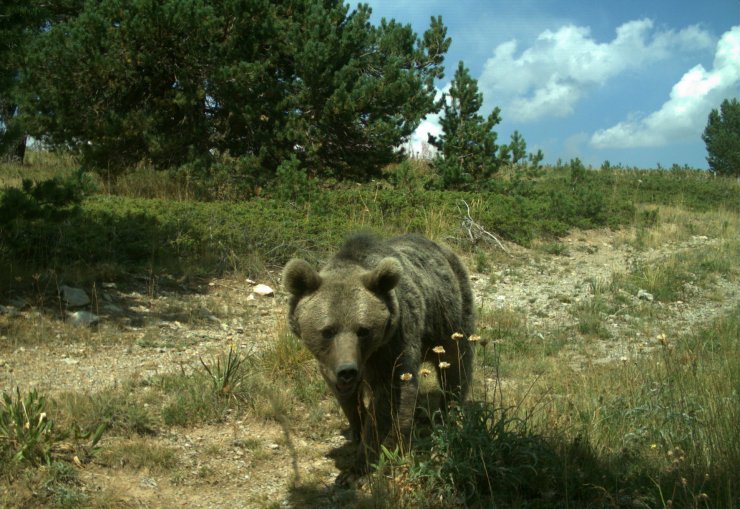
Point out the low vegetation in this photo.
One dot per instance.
(653, 429)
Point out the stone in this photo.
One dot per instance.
(263, 290)
(74, 297)
(643, 295)
(82, 318)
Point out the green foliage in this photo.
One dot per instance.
(60, 225)
(409, 175)
(20, 22)
(722, 138)
(517, 147)
(292, 184)
(256, 79)
(103, 85)
(227, 375)
(675, 415)
(136, 233)
(467, 146)
(481, 449)
(49, 200)
(26, 433)
(536, 158)
(207, 395)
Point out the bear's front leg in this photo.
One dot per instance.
(402, 419)
(352, 407)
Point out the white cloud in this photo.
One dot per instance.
(684, 115)
(560, 67)
(418, 145)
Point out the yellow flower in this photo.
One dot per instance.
(425, 372)
(406, 377)
(662, 339)
(457, 335)
(444, 365)
(438, 349)
(474, 338)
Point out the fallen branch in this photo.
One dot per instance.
(475, 231)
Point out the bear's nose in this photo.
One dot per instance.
(347, 373)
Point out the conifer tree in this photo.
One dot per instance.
(173, 81)
(517, 147)
(20, 21)
(467, 145)
(722, 138)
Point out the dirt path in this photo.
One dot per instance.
(155, 327)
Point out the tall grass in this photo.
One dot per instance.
(658, 431)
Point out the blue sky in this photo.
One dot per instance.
(630, 81)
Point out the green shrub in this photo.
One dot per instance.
(482, 448)
(26, 432)
(206, 395)
(292, 183)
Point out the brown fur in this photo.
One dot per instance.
(374, 313)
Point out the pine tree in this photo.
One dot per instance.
(20, 21)
(467, 146)
(173, 81)
(518, 147)
(722, 138)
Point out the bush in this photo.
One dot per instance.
(722, 138)
(292, 183)
(482, 450)
(26, 432)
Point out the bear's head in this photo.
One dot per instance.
(343, 315)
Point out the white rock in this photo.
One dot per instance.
(74, 297)
(643, 295)
(83, 318)
(263, 290)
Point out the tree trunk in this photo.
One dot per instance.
(18, 154)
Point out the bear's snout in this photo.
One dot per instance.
(347, 375)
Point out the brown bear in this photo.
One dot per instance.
(371, 316)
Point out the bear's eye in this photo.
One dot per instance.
(328, 332)
(363, 332)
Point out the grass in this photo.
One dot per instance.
(677, 276)
(657, 431)
(656, 428)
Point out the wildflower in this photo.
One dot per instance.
(474, 338)
(42, 417)
(457, 335)
(653, 446)
(405, 377)
(438, 349)
(425, 372)
(662, 339)
(444, 365)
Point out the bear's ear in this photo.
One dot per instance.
(384, 277)
(299, 278)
